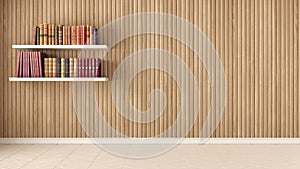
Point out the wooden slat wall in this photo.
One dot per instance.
(257, 41)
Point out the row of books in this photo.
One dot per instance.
(29, 64)
(72, 67)
(50, 34)
(37, 64)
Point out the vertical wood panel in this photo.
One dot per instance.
(257, 42)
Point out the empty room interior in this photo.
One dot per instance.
(149, 84)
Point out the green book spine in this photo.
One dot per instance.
(56, 35)
(38, 36)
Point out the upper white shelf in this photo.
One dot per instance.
(88, 47)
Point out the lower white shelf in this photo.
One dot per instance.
(58, 79)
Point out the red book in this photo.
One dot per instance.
(40, 64)
(35, 64)
(90, 67)
(30, 64)
(21, 65)
(93, 67)
(25, 64)
(86, 69)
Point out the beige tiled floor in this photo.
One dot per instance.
(181, 157)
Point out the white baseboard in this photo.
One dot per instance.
(149, 141)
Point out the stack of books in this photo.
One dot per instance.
(50, 34)
(29, 64)
(72, 67)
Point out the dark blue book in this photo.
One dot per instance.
(58, 67)
(67, 74)
(95, 36)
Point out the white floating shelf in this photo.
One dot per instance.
(58, 79)
(88, 47)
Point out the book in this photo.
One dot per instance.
(67, 67)
(37, 36)
(58, 67)
(92, 34)
(19, 65)
(45, 34)
(49, 34)
(56, 35)
(64, 35)
(83, 35)
(41, 34)
(75, 67)
(97, 67)
(53, 67)
(71, 67)
(60, 34)
(50, 67)
(86, 67)
(78, 33)
(90, 60)
(93, 67)
(73, 35)
(79, 67)
(95, 36)
(40, 64)
(87, 35)
(34, 35)
(62, 67)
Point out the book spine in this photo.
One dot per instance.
(49, 35)
(46, 67)
(79, 67)
(58, 67)
(27, 64)
(73, 35)
(71, 67)
(22, 64)
(54, 67)
(52, 34)
(70, 35)
(82, 67)
(92, 34)
(95, 36)
(34, 35)
(41, 34)
(62, 66)
(67, 60)
(93, 74)
(30, 74)
(83, 32)
(18, 65)
(64, 35)
(98, 67)
(34, 67)
(78, 35)
(55, 35)
(90, 60)
(60, 34)
(40, 64)
(37, 36)
(87, 35)
(46, 34)
(86, 69)
(75, 67)
(50, 68)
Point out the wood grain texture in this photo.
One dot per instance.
(257, 42)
